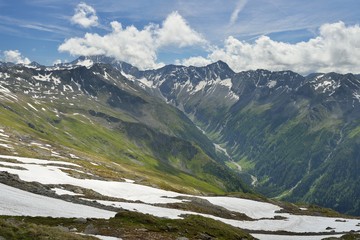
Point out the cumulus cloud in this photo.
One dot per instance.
(194, 61)
(235, 14)
(57, 61)
(336, 48)
(137, 47)
(176, 31)
(15, 56)
(85, 16)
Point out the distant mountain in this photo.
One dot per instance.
(293, 137)
(91, 109)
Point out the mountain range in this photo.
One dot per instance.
(194, 129)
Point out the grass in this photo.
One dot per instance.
(16, 229)
(354, 132)
(245, 164)
(132, 225)
(94, 139)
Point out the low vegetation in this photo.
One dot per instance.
(125, 225)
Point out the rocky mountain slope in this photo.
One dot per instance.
(292, 137)
(93, 111)
(140, 149)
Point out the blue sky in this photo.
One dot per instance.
(247, 34)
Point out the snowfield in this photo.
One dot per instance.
(253, 209)
(18, 202)
(286, 237)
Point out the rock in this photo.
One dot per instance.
(2, 238)
(182, 238)
(204, 236)
(80, 220)
(78, 191)
(171, 228)
(62, 228)
(91, 229)
(340, 220)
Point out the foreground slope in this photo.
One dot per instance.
(161, 213)
(93, 112)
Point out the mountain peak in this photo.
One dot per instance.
(35, 64)
(220, 65)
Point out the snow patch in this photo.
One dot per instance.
(86, 63)
(292, 237)
(54, 175)
(262, 212)
(146, 82)
(60, 191)
(16, 202)
(37, 161)
(32, 106)
(357, 96)
(128, 76)
(6, 146)
(128, 180)
(253, 209)
(226, 82)
(271, 83)
(43, 78)
(200, 86)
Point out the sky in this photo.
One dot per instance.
(300, 35)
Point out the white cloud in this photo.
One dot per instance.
(176, 31)
(235, 14)
(137, 47)
(194, 61)
(336, 48)
(85, 16)
(57, 61)
(15, 56)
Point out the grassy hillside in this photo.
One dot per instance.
(114, 122)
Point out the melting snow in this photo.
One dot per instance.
(32, 106)
(251, 208)
(201, 85)
(16, 202)
(292, 237)
(226, 82)
(53, 175)
(60, 191)
(262, 212)
(7, 93)
(147, 209)
(357, 96)
(5, 145)
(146, 82)
(4, 75)
(43, 78)
(128, 76)
(86, 63)
(37, 161)
(271, 83)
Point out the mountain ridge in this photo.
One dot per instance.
(289, 136)
(316, 113)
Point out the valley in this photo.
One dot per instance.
(90, 198)
(179, 145)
